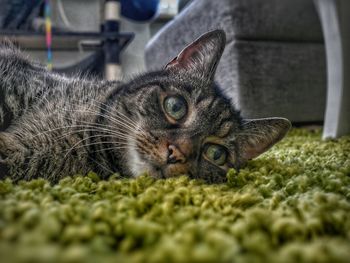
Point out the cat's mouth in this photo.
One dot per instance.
(159, 169)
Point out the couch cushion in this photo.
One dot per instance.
(286, 20)
(281, 20)
(275, 79)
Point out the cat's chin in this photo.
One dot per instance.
(174, 170)
(159, 171)
(167, 170)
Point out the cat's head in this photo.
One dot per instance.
(186, 125)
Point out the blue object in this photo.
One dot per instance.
(17, 14)
(139, 10)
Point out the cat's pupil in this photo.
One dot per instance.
(175, 106)
(217, 154)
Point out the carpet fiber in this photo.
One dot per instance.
(290, 205)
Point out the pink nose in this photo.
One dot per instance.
(175, 155)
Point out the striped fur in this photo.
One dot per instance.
(52, 126)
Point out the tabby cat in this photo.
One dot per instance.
(166, 123)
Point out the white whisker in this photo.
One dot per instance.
(111, 111)
(95, 143)
(113, 120)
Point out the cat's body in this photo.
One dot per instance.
(166, 123)
(37, 109)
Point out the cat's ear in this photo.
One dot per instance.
(259, 135)
(202, 56)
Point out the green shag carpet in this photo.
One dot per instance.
(290, 205)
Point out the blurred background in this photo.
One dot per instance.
(24, 21)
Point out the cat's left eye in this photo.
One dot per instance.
(175, 107)
(216, 154)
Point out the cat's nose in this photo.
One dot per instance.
(175, 155)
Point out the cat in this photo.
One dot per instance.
(171, 122)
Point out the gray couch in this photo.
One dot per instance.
(274, 61)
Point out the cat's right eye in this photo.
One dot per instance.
(216, 154)
(175, 107)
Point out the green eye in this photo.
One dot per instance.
(175, 107)
(216, 153)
